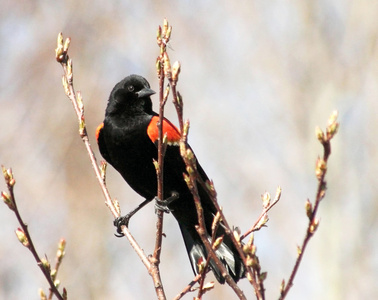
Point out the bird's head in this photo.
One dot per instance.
(130, 96)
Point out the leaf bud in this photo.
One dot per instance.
(22, 237)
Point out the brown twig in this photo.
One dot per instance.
(59, 258)
(24, 236)
(172, 75)
(311, 211)
(162, 39)
(188, 288)
(235, 238)
(263, 218)
(63, 59)
(177, 99)
(191, 179)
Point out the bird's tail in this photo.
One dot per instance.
(227, 254)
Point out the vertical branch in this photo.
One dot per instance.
(177, 99)
(191, 179)
(163, 70)
(311, 211)
(24, 236)
(61, 55)
(252, 274)
(160, 168)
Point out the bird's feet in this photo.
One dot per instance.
(162, 205)
(119, 222)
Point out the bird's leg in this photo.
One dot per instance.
(124, 220)
(163, 204)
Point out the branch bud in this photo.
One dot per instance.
(60, 40)
(165, 27)
(190, 170)
(251, 240)
(208, 286)
(237, 234)
(321, 168)
(263, 276)
(69, 71)
(167, 66)
(57, 283)
(176, 68)
(22, 237)
(168, 34)
(189, 155)
(46, 265)
(319, 134)
(299, 251)
(61, 247)
(249, 276)
(262, 221)
(158, 66)
(333, 126)
(210, 187)
(8, 200)
(158, 36)
(201, 265)
(323, 190)
(8, 176)
(216, 222)
(66, 44)
(156, 164)
(254, 263)
(265, 199)
(282, 286)
(308, 207)
(313, 226)
(186, 131)
(59, 52)
(188, 181)
(217, 243)
(166, 94)
(249, 250)
(42, 294)
(278, 194)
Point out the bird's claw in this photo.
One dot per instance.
(162, 205)
(119, 222)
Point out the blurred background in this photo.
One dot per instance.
(257, 78)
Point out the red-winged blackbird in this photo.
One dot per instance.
(127, 140)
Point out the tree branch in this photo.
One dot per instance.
(24, 236)
(311, 211)
(76, 100)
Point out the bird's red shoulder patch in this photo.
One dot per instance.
(98, 129)
(173, 134)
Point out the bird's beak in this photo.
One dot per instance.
(145, 92)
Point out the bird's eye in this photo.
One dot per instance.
(130, 88)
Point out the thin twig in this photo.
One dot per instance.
(188, 288)
(191, 179)
(63, 59)
(160, 174)
(320, 171)
(23, 232)
(260, 221)
(209, 188)
(59, 258)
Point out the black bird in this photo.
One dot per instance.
(127, 140)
